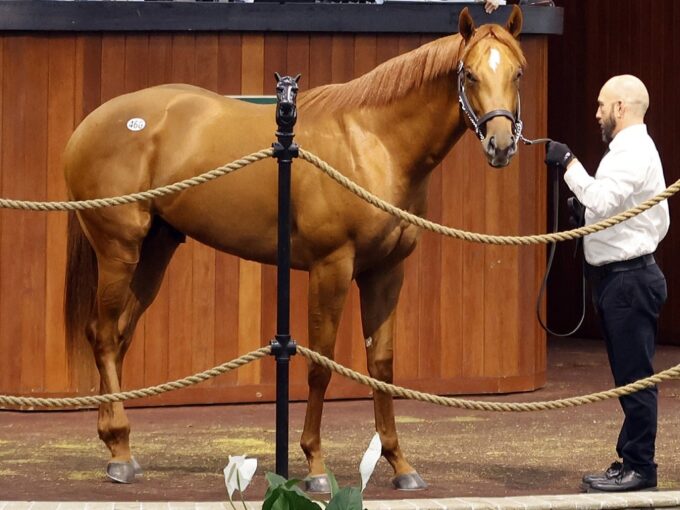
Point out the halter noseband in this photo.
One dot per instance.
(478, 123)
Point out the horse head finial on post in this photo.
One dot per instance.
(283, 346)
(286, 107)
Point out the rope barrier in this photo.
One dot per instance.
(671, 373)
(352, 187)
(482, 405)
(392, 389)
(176, 187)
(146, 392)
(484, 238)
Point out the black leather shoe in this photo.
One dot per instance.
(612, 472)
(628, 480)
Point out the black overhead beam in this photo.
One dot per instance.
(394, 17)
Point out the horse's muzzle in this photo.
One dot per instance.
(499, 154)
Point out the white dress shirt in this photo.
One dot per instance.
(629, 174)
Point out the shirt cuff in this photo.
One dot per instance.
(577, 178)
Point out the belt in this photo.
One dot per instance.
(600, 272)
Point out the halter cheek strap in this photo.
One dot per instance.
(479, 123)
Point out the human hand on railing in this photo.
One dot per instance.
(558, 154)
(492, 5)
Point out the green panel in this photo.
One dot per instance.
(257, 99)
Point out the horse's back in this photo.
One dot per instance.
(146, 135)
(165, 134)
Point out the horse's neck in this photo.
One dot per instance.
(420, 129)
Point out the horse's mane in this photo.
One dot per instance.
(393, 79)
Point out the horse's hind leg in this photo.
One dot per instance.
(329, 282)
(131, 267)
(379, 291)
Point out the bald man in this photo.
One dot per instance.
(628, 287)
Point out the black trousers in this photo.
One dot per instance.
(628, 304)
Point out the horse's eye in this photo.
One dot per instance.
(471, 77)
(520, 73)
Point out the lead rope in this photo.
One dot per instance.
(553, 247)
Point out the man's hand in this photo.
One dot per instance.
(492, 5)
(559, 154)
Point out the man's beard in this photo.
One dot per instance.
(608, 126)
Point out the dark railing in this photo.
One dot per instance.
(283, 346)
(161, 16)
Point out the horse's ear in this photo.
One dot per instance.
(277, 76)
(514, 24)
(466, 25)
(297, 78)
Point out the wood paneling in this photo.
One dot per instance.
(465, 320)
(602, 39)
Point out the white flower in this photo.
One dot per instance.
(369, 460)
(238, 473)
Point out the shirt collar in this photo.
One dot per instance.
(628, 134)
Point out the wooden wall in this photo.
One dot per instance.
(601, 39)
(466, 314)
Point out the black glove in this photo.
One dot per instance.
(557, 153)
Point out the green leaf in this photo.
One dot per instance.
(285, 494)
(347, 498)
(292, 485)
(293, 482)
(270, 498)
(293, 501)
(333, 483)
(281, 503)
(274, 480)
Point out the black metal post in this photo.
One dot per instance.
(283, 346)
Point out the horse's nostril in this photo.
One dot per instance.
(492, 143)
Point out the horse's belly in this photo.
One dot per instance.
(234, 224)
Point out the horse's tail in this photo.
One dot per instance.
(80, 285)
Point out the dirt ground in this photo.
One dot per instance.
(56, 456)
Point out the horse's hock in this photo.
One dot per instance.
(451, 335)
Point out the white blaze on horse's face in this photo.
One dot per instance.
(494, 59)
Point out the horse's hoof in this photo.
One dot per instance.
(317, 484)
(137, 468)
(409, 482)
(121, 472)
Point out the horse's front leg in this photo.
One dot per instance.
(329, 281)
(379, 290)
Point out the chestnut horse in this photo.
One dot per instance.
(386, 130)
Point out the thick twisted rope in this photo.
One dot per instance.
(484, 238)
(398, 391)
(141, 196)
(352, 187)
(146, 392)
(672, 373)
(480, 405)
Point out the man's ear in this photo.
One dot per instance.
(466, 25)
(514, 24)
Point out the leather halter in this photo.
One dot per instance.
(479, 123)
